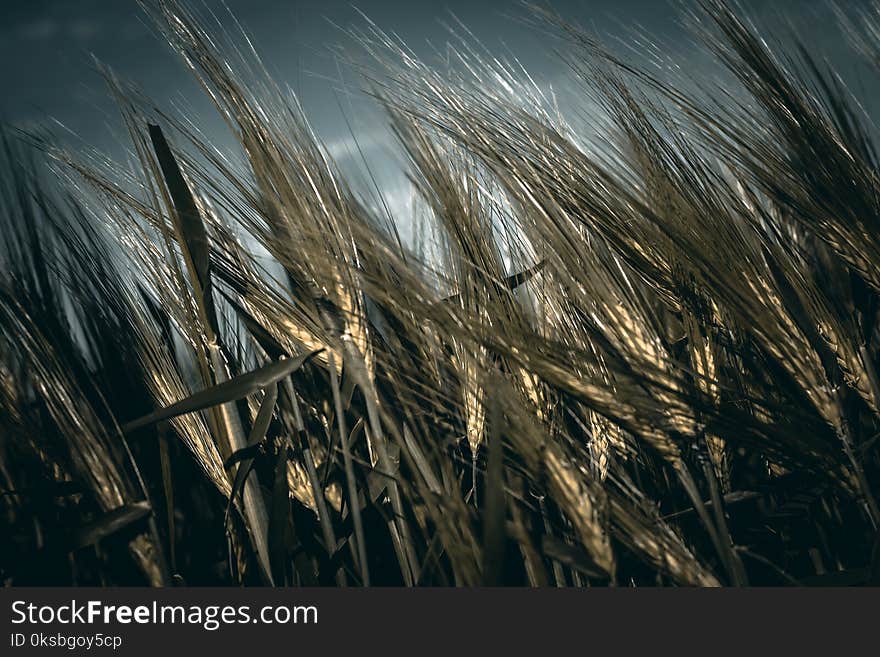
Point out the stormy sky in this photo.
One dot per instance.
(46, 49)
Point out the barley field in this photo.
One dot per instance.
(639, 355)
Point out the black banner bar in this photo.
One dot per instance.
(399, 621)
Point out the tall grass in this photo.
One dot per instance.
(643, 354)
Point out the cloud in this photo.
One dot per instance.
(47, 29)
(41, 30)
(400, 201)
(345, 148)
(82, 30)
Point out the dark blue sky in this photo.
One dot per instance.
(45, 46)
